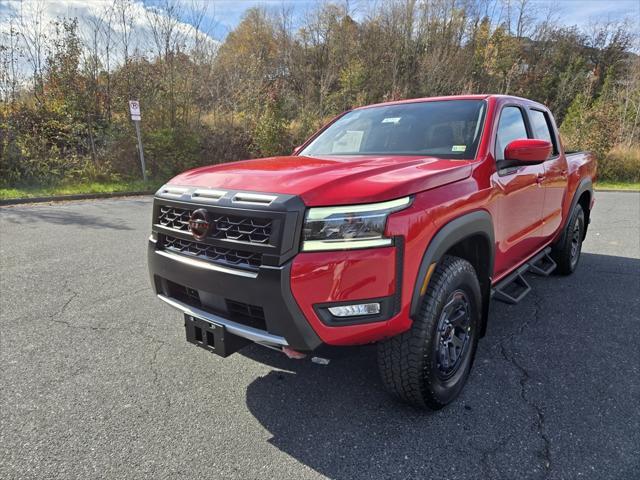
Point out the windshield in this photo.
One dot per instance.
(445, 129)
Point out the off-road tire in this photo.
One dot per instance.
(408, 362)
(567, 253)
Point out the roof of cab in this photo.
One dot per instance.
(428, 99)
(451, 97)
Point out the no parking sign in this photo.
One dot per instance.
(134, 108)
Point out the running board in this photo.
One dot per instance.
(513, 288)
(542, 264)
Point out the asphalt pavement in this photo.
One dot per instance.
(97, 380)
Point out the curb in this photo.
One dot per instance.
(63, 198)
(616, 190)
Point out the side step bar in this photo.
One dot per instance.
(513, 288)
(542, 264)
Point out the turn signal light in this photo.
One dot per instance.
(355, 310)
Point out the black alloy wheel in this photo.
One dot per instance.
(453, 334)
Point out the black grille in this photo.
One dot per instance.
(229, 256)
(187, 295)
(176, 218)
(246, 314)
(253, 230)
(229, 227)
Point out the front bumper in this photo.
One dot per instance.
(255, 335)
(291, 297)
(262, 287)
(209, 292)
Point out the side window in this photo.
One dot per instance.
(541, 128)
(511, 127)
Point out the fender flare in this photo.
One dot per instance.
(585, 185)
(474, 223)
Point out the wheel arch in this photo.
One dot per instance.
(582, 195)
(471, 237)
(585, 201)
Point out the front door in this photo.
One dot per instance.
(519, 226)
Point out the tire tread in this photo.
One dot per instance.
(561, 252)
(403, 359)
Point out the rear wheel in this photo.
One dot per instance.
(428, 365)
(567, 252)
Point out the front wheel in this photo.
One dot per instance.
(428, 365)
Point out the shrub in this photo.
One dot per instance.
(225, 142)
(306, 125)
(620, 164)
(169, 151)
(270, 135)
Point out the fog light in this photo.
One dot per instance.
(355, 310)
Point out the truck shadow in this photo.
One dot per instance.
(339, 421)
(332, 418)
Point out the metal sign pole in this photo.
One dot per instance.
(136, 116)
(142, 164)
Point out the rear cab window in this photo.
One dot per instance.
(541, 128)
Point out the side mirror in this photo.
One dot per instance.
(296, 150)
(527, 151)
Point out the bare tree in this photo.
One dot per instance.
(524, 18)
(10, 53)
(122, 11)
(168, 36)
(32, 31)
(107, 34)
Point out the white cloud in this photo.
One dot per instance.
(36, 18)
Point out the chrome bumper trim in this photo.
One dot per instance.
(250, 333)
(206, 265)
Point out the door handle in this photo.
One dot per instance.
(539, 178)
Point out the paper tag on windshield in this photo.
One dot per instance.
(391, 120)
(458, 148)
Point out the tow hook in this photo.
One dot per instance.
(294, 354)
(291, 353)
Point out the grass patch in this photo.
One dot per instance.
(79, 188)
(633, 186)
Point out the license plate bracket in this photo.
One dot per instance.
(212, 337)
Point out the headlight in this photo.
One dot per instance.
(355, 226)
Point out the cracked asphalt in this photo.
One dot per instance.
(97, 380)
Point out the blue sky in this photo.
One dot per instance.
(224, 15)
(581, 12)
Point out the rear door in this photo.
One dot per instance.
(555, 171)
(519, 228)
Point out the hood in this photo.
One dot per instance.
(329, 180)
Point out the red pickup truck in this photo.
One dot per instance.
(395, 224)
